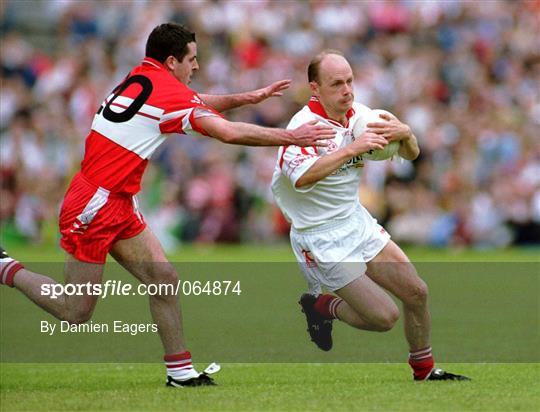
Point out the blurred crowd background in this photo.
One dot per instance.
(463, 74)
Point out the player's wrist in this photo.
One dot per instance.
(349, 152)
(254, 97)
(289, 137)
(407, 134)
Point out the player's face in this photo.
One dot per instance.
(335, 86)
(184, 70)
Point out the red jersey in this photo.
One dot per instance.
(133, 121)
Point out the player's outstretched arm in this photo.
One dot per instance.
(230, 101)
(394, 129)
(327, 164)
(309, 134)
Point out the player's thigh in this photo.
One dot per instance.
(143, 256)
(77, 272)
(369, 300)
(393, 270)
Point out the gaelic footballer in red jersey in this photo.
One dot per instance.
(131, 123)
(134, 121)
(100, 214)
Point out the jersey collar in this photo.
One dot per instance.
(316, 107)
(148, 61)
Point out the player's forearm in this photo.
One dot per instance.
(252, 135)
(325, 166)
(226, 102)
(408, 149)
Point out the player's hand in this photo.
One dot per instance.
(392, 129)
(368, 141)
(312, 134)
(273, 90)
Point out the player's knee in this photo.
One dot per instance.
(78, 316)
(388, 319)
(169, 276)
(166, 281)
(162, 273)
(417, 294)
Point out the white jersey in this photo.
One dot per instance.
(335, 196)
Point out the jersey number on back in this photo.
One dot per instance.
(135, 106)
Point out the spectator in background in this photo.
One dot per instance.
(463, 74)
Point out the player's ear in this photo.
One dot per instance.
(170, 63)
(314, 86)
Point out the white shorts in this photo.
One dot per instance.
(334, 254)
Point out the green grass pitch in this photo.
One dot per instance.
(340, 387)
(486, 325)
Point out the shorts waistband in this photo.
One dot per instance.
(325, 227)
(110, 195)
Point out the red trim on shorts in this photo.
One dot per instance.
(282, 157)
(91, 240)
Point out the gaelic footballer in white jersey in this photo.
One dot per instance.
(334, 197)
(328, 209)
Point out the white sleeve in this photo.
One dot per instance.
(295, 161)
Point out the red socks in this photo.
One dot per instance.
(327, 305)
(178, 364)
(421, 362)
(8, 270)
(180, 367)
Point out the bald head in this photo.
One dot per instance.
(327, 59)
(331, 81)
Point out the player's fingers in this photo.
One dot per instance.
(376, 131)
(377, 139)
(324, 129)
(327, 134)
(368, 135)
(376, 125)
(277, 94)
(389, 116)
(319, 143)
(282, 84)
(319, 136)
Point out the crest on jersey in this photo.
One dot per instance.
(196, 99)
(299, 159)
(331, 146)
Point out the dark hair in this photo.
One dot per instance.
(313, 68)
(169, 39)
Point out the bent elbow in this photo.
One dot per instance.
(414, 155)
(301, 182)
(410, 154)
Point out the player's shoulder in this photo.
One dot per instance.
(302, 116)
(169, 93)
